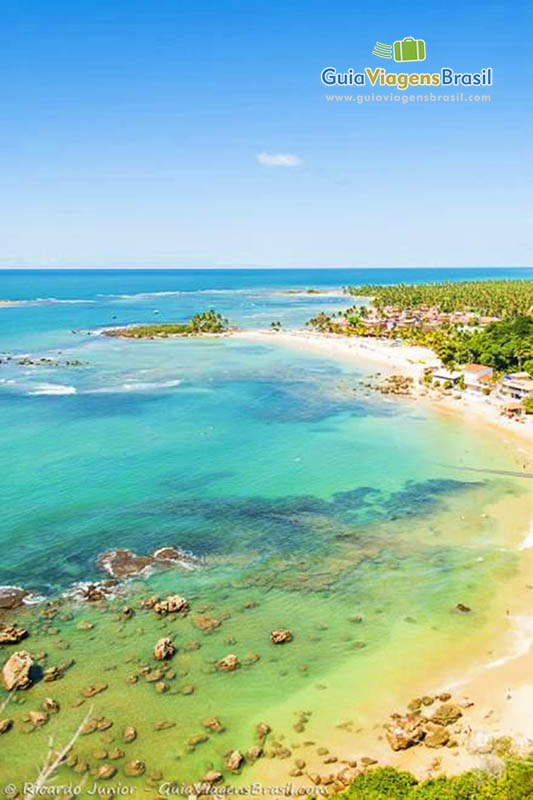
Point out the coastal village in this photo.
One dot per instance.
(506, 386)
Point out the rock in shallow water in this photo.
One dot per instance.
(164, 649)
(235, 760)
(12, 596)
(16, 671)
(173, 604)
(281, 636)
(11, 634)
(124, 563)
(228, 663)
(129, 734)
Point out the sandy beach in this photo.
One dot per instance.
(494, 684)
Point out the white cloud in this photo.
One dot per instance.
(279, 160)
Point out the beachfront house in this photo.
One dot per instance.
(516, 386)
(443, 375)
(477, 377)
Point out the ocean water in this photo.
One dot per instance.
(302, 491)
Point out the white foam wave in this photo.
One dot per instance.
(179, 293)
(522, 639)
(43, 301)
(528, 539)
(136, 386)
(52, 389)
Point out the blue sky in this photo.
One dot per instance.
(130, 134)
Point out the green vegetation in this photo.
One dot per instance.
(494, 298)
(506, 345)
(514, 782)
(205, 322)
(528, 405)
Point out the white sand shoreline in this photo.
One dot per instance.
(408, 360)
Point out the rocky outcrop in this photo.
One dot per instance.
(416, 726)
(173, 556)
(124, 563)
(11, 634)
(228, 664)
(436, 735)
(94, 592)
(405, 731)
(447, 714)
(281, 636)
(164, 649)
(12, 597)
(16, 671)
(396, 384)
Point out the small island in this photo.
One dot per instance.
(206, 322)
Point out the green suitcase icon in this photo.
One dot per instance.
(410, 49)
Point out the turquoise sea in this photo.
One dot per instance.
(300, 490)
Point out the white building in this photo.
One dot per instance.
(477, 377)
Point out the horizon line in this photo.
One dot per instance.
(49, 268)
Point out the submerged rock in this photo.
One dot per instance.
(135, 768)
(281, 636)
(129, 734)
(164, 649)
(16, 671)
(50, 705)
(106, 771)
(53, 674)
(206, 624)
(38, 718)
(163, 724)
(213, 724)
(11, 634)
(94, 689)
(212, 776)
(262, 729)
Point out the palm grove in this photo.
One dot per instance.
(497, 329)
